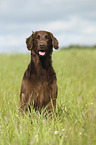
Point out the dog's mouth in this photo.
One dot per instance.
(42, 52)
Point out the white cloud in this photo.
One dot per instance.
(52, 1)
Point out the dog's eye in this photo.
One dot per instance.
(38, 37)
(46, 37)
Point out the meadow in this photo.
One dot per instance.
(73, 123)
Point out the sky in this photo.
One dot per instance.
(72, 22)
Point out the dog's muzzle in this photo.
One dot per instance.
(42, 51)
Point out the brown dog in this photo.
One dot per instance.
(39, 84)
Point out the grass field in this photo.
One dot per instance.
(74, 122)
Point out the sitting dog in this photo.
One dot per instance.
(39, 84)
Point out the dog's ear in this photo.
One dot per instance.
(55, 42)
(29, 42)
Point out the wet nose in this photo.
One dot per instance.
(42, 45)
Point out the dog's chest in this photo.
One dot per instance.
(37, 85)
(39, 89)
(40, 85)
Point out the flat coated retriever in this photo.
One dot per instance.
(39, 84)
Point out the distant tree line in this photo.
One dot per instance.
(79, 47)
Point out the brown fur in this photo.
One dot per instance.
(39, 84)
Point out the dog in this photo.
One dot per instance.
(39, 84)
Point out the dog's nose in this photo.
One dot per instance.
(42, 45)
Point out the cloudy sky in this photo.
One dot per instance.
(71, 22)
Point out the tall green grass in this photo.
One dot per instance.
(74, 122)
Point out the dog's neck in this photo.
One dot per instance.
(40, 66)
(41, 62)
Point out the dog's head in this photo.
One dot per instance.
(42, 42)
